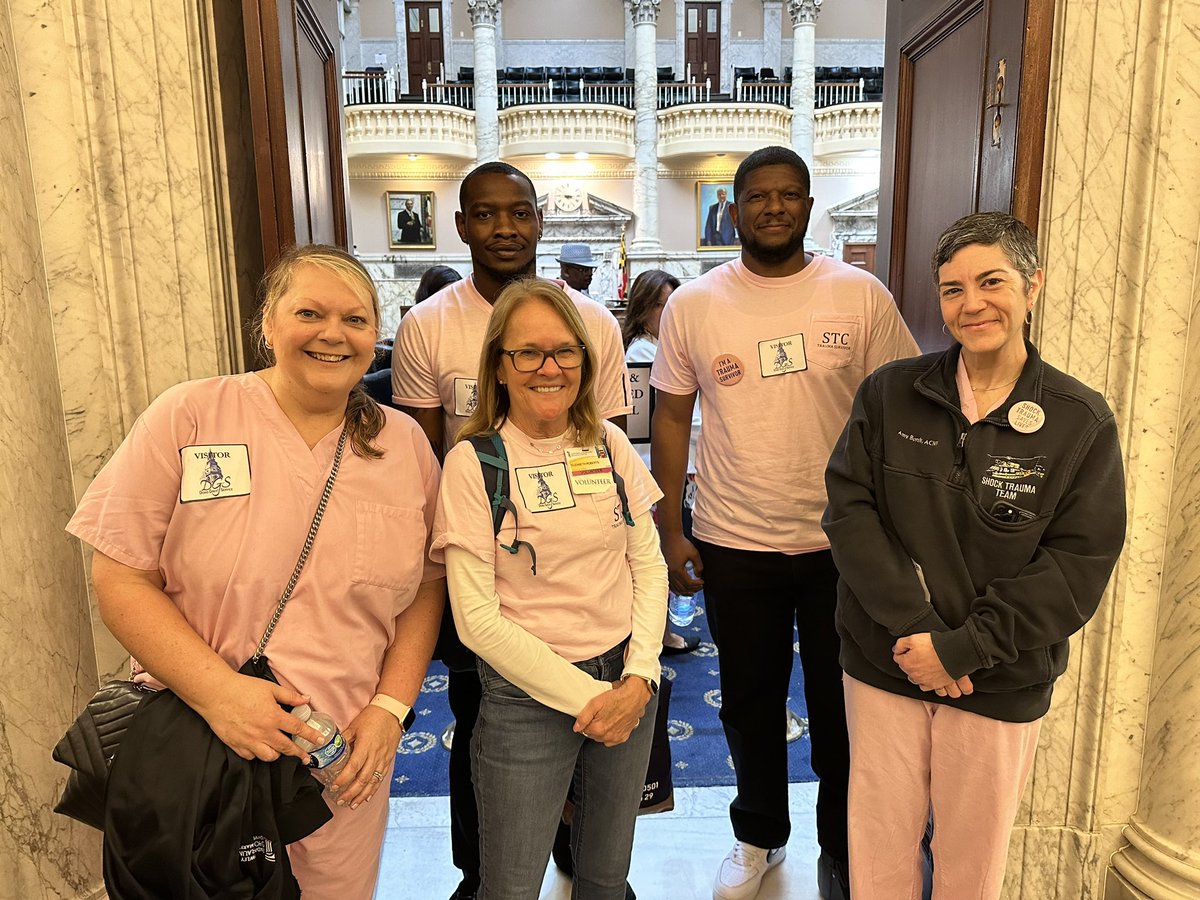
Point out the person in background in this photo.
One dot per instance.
(775, 343)
(577, 266)
(435, 366)
(567, 627)
(187, 583)
(434, 279)
(976, 511)
(647, 298)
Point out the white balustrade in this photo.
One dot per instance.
(612, 94)
(672, 93)
(450, 94)
(847, 128)
(410, 128)
(524, 93)
(835, 93)
(764, 92)
(728, 127)
(526, 130)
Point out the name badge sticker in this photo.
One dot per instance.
(213, 471)
(545, 488)
(466, 396)
(589, 469)
(782, 355)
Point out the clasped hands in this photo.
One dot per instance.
(611, 716)
(917, 658)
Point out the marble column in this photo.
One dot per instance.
(45, 629)
(630, 56)
(644, 14)
(484, 14)
(352, 36)
(1118, 765)
(402, 49)
(804, 71)
(772, 40)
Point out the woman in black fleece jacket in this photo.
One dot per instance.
(976, 511)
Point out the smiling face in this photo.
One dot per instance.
(539, 402)
(984, 300)
(772, 217)
(500, 223)
(322, 332)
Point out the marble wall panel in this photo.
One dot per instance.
(134, 210)
(45, 631)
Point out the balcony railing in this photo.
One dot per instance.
(835, 93)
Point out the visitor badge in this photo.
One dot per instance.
(544, 488)
(782, 355)
(1026, 417)
(589, 469)
(466, 396)
(211, 471)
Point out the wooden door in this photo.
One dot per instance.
(964, 125)
(702, 42)
(861, 256)
(296, 115)
(423, 27)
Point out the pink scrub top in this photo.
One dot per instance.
(214, 488)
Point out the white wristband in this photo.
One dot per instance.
(401, 711)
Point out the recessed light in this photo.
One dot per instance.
(553, 155)
(581, 154)
(413, 156)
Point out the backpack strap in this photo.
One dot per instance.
(493, 462)
(620, 482)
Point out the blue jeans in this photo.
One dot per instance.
(525, 756)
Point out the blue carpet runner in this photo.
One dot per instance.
(698, 750)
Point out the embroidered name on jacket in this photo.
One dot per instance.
(1013, 476)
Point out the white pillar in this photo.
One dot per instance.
(645, 136)
(772, 41)
(484, 14)
(804, 69)
(352, 37)
(402, 49)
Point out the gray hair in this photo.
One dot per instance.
(990, 229)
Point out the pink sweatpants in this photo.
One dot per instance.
(907, 756)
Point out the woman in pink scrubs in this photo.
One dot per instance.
(199, 517)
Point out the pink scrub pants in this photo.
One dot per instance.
(908, 756)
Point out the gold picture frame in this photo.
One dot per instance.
(410, 220)
(716, 216)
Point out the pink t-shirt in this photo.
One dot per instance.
(435, 361)
(777, 362)
(225, 530)
(580, 601)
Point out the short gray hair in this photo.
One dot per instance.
(990, 229)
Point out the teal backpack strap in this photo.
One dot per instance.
(620, 482)
(493, 462)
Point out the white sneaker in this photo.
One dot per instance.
(742, 871)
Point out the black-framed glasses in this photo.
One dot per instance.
(530, 360)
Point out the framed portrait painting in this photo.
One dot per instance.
(716, 226)
(410, 220)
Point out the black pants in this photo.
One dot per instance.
(465, 694)
(754, 599)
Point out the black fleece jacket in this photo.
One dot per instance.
(999, 543)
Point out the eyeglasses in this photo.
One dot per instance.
(530, 360)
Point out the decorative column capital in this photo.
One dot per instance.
(803, 12)
(644, 11)
(483, 12)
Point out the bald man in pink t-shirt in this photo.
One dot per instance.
(775, 343)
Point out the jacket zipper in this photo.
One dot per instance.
(960, 458)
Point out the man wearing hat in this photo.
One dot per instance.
(577, 265)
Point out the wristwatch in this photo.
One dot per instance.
(402, 711)
(649, 682)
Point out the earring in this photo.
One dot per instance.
(945, 330)
(1029, 316)
(267, 344)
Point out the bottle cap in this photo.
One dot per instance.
(302, 712)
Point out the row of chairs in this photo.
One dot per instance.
(750, 74)
(542, 74)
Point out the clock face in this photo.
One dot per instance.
(568, 197)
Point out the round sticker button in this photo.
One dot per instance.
(1026, 417)
(727, 369)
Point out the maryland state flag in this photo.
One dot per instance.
(623, 265)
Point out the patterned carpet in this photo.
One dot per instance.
(698, 750)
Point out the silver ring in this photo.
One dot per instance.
(377, 777)
(586, 735)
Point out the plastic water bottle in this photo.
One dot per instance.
(681, 608)
(328, 759)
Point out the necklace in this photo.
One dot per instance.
(541, 445)
(994, 388)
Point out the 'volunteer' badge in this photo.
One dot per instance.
(589, 469)
(1026, 417)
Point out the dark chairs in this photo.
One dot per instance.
(745, 73)
(767, 75)
(666, 73)
(593, 73)
(629, 76)
(852, 73)
(834, 73)
(555, 73)
(787, 73)
(573, 73)
(535, 74)
(466, 74)
(613, 74)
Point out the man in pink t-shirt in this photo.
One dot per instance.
(435, 364)
(775, 343)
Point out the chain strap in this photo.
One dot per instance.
(306, 549)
